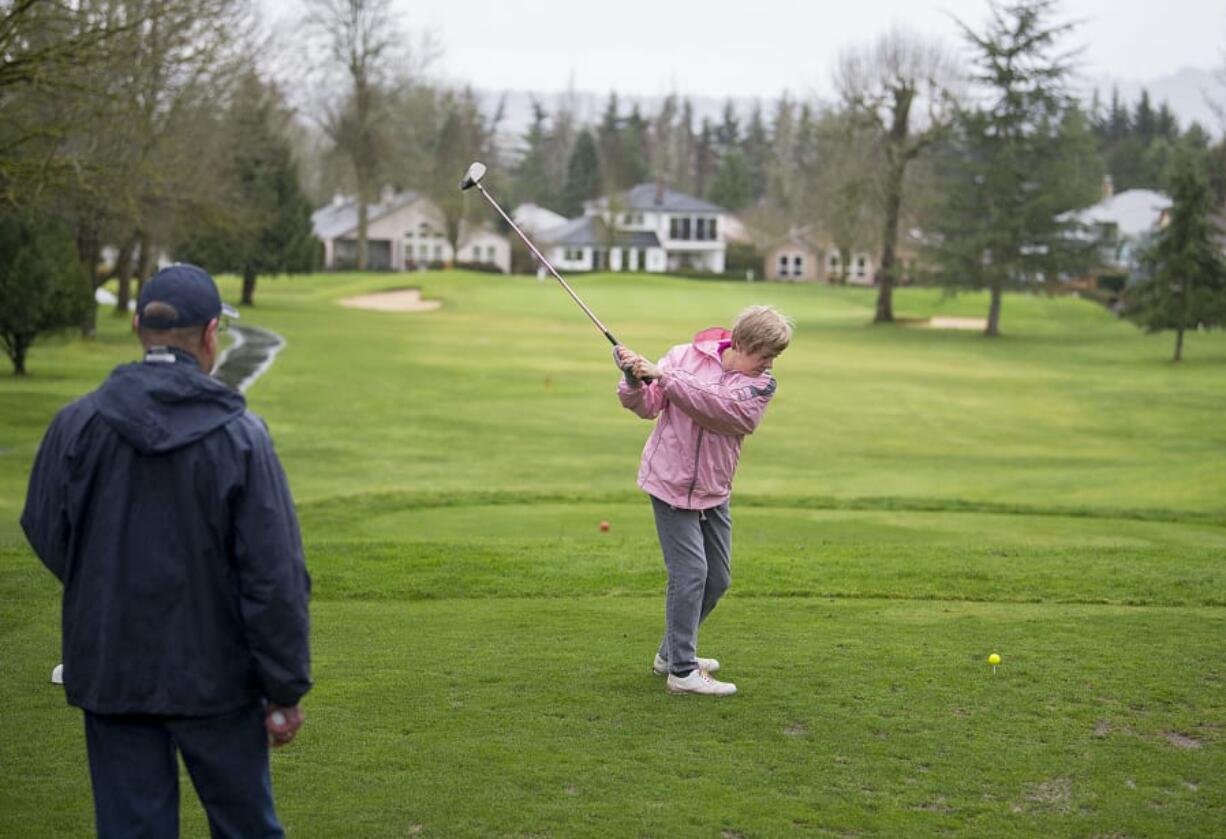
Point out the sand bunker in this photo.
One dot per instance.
(396, 300)
(979, 324)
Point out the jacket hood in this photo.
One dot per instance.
(160, 406)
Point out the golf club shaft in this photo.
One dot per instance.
(545, 262)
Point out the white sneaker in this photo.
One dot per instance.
(57, 674)
(660, 666)
(699, 681)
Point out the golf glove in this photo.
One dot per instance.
(631, 379)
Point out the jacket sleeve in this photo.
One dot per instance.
(725, 409)
(274, 585)
(646, 400)
(45, 517)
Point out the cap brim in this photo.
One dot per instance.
(229, 311)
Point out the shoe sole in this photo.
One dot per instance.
(676, 692)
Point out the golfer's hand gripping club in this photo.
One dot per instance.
(633, 366)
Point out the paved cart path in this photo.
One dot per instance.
(251, 354)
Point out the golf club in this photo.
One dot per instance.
(473, 178)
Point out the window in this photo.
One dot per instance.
(489, 254)
(438, 251)
(574, 254)
(861, 265)
(680, 228)
(700, 228)
(832, 263)
(783, 264)
(712, 228)
(798, 266)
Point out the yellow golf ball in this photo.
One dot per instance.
(993, 659)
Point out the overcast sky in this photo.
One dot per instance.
(747, 48)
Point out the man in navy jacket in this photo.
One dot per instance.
(160, 504)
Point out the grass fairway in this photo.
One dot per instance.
(913, 501)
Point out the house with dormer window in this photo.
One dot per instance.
(648, 228)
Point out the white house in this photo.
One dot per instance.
(535, 219)
(648, 228)
(405, 231)
(1120, 223)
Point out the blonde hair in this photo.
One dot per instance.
(762, 329)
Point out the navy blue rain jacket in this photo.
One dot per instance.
(160, 504)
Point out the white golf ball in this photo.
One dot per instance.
(278, 719)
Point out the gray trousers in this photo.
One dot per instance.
(697, 549)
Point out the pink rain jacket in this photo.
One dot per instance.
(704, 412)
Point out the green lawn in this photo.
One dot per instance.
(913, 501)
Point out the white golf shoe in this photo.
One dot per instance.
(57, 674)
(660, 666)
(699, 681)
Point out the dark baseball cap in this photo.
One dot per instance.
(190, 290)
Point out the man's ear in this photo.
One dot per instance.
(209, 338)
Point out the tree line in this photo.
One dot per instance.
(151, 126)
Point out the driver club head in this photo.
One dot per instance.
(475, 173)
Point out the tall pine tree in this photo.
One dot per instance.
(1185, 275)
(1019, 164)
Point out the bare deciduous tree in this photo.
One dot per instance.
(884, 84)
(364, 40)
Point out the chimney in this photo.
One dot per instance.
(1108, 187)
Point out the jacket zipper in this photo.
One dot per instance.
(689, 498)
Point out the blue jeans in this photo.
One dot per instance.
(135, 773)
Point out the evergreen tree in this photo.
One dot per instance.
(1118, 124)
(41, 285)
(583, 179)
(732, 189)
(1166, 125)
(705, 159)
(532, 173)
(636, 151)
(1144, 121)
(728, 133)
(757, 152)
(1184, 284)
(263, 224)
(609, 141)
(1020, 164)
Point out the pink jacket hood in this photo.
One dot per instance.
(702, 413)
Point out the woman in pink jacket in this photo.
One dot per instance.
(705, 397)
